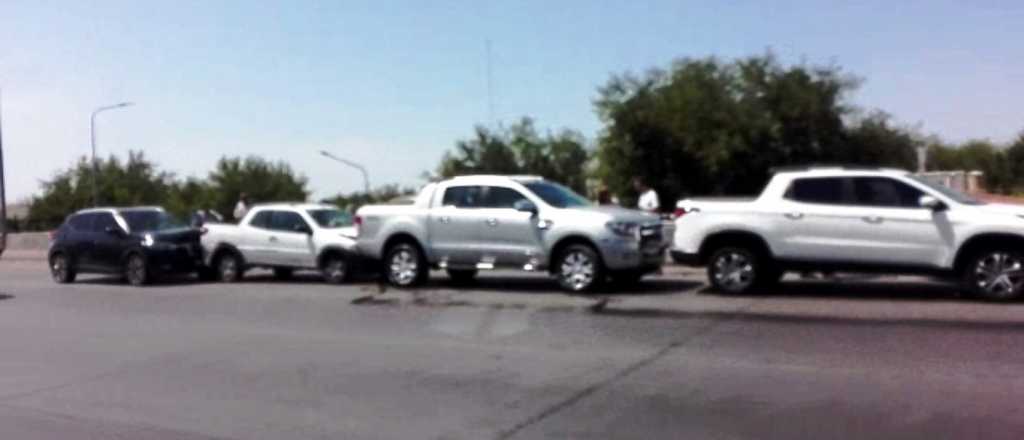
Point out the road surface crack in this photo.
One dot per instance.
(619, 375)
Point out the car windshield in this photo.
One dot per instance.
(957, 196)
(557, 195)
(331, 218)
(150, 221)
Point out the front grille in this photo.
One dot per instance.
(651, 237)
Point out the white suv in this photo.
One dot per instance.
(854, 219)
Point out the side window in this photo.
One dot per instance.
(821, 190)
(81, 222)
(287, 221)
(885, 192)
(103, 221)
(501, 197)
(261, 220)
(463, 196)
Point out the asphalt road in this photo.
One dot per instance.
(508, 358)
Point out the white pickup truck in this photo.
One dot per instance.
(472, 223)
(283, 237)
(858, 220)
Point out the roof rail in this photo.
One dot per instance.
(796, 168)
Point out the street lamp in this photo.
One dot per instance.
(92, 133)
(366, 176)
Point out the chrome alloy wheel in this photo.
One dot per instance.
(734, 271)
(578, 270)
(998, 275)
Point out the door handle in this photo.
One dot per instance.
(273, 239)
(794, 215)
(444, 219)
(492, 222)
(872, 219)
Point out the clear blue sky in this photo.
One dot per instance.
(394, 84)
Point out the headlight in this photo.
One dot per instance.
(147, 240)
(625, 229)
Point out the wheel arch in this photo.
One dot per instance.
(985, 241)
(567, 241)
(225, 249)
(733, 237)
(330, 251)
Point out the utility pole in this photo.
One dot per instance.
(3, 186)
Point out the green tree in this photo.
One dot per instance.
(262, 180)
(134, 182)
(706, 126)
(520, 149)
(384, 194)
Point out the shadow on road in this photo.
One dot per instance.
(544, 285)
(804, 319)
(858, 289)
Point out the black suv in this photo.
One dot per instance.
(138, 243)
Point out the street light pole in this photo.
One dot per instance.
(92, 136)
(3, 188)
(366, 176)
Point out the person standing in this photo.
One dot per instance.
(648, 201)
(242, 207)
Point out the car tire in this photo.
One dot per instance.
(229, 267)
(61, 269)
(136, 270)
(579, 268)
(737, 270)
(335, 269)
(995, 275)
(283, 273)
(405, 266)
(462, 276)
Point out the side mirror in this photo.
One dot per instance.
(115, 231)
(302, 229)
(526, 206)
(931, 203)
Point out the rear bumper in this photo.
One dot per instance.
(684, 258)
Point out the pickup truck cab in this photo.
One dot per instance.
(473, 223)
(854, 219)
(284, 237)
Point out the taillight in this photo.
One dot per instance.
(358, 221)
(679, 212)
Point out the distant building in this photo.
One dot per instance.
(970, 182)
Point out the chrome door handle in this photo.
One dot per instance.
(492, 222)
(872, 219)
(794, 215)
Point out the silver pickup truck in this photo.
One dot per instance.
(473, 223)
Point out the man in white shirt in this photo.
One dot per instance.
(648, 197)
(242, 207)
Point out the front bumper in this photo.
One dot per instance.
(175, 258)
(623, 254)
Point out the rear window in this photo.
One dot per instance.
(463, 196)
(81, 222)
(821, 190)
